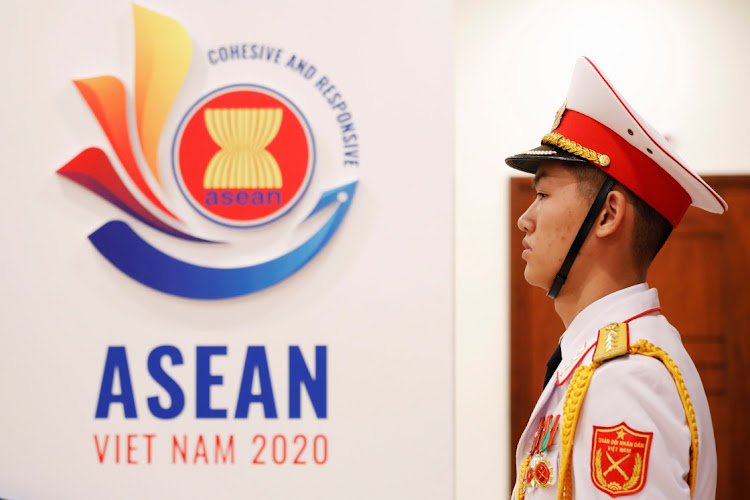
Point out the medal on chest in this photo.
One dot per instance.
(537, 470)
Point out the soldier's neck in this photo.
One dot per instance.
(571, 301)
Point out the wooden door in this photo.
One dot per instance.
(703, 278)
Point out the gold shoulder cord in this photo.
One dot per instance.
(572, 407)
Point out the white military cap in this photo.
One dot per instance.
(597, 125)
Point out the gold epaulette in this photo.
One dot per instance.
(613, 342)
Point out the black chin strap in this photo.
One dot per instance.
(588, 223)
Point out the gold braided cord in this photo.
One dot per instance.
(571, 408)
(574, 401)
(647, 349)
(521, 490)
(563, 142)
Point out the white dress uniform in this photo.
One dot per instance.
(635, 428)
(632, 437)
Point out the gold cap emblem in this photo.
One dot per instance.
(559, 115)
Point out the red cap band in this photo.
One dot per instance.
(629, 166)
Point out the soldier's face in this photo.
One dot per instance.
(551, 223)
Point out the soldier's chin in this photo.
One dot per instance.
(533, 278)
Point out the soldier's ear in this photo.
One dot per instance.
(612, 216)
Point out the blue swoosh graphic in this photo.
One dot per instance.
(132, 255)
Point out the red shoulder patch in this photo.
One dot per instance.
(619, 459)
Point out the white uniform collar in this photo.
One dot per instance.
(616, 307)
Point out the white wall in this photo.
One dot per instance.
(682, 64)
(379, 298)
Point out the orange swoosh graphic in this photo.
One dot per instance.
(106, 98)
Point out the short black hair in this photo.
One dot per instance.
(650, 230)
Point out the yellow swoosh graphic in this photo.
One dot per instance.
(162, 57)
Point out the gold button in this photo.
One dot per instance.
(604, 160)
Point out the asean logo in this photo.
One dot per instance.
(242, 156)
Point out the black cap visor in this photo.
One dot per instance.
(529, 161)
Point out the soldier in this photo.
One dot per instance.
(623, 411)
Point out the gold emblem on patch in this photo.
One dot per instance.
(613, 342)
(559, 115)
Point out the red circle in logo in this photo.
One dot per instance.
(243, 156)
